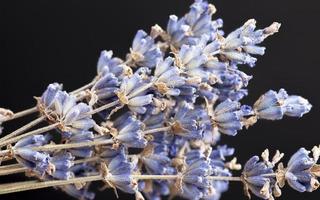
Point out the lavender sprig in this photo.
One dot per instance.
(149, 125)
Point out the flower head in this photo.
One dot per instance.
(296, 106)
(61, 164)
(38, 162)
(194, 179)
(61, 107)
(130, 94)
(168, 78)
(41, 163)
(187, 121)
(144, 52)
(189, 29)
(107, 64)
(274, 105)
(242, 42)
(118, 174)
(155, 160)
(128, 131)
(227, 117)
(83, 136)
(255, 178)
(104, 89)
(299, 174)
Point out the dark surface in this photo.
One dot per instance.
(46, 41)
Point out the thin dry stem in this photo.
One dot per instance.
(24, 186)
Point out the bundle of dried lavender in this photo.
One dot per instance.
(172, 97)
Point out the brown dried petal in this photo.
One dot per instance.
(280, 175)
(315, 170)
(277, 191)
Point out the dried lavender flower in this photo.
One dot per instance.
(128, 131)
(298, 173)
(129, 94)
(256, 180)
(162, 118)
(239, 44)
(63, 108)
(273, 105)
(144, 52)
(107, 64)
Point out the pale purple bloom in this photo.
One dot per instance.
(61, 107)
(119, 171)
(274, 105)
(194, 179)
(254, 179)
(108, 64)
(144, 51)
(227, 117)
(296, 106)
(187, 121)
(156, 163)
(129, 132)
(190, 28)
(81, 137)
(104, 89)
(130, 94)
(62, 163)
(239, 44)
(298, 174)
(168, 78)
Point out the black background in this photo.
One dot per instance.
(46, 41)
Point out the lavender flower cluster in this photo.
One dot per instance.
(150, 125)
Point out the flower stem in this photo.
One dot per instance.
(12, 169)
(18, 168)
(27, 185)
(104, 107)
(4, 141)
(115, 103)
(35, 109)
(23, 128)
(269, 175)
(142, 89)
(22, 113)
(156, 130)
(87, 86)
(224, 178)
(24, 186)
(34, 132)
(54, 147)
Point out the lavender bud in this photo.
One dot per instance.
(296, 106)
(129, 94)
(298, 173)
(254, 178)
(144, 52)
(187, 121)
(130, 133)
(168, 78)
(273, 105)
(194, 179)
(118, 174)
(80, 137)
(227, 117)
(108, 64)
(62, 163)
